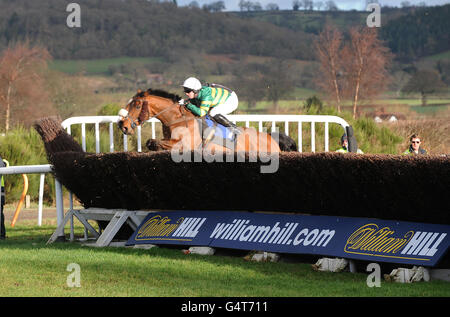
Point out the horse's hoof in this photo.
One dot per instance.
(152, 145)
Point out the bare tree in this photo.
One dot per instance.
(405, 4)
(328, 48)
(331, 6)
(272, 7)
(296, 4)
(365, 60)
(21, 79)
(318, 5)
(217, 6)
(193, 4)
(308, 5)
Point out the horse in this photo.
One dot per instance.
(182, 131)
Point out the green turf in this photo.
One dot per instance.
(29, 268)
(96, 66)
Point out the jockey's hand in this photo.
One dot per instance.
(181, 102)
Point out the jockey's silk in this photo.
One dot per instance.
(208, 97)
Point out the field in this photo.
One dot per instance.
(31, 268)
(96, 66)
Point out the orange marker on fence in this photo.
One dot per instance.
(22, 198)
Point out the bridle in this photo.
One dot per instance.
(131, 120)
(135, 121)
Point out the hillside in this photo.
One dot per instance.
(140, 28)
(410, 33)
(135, 28)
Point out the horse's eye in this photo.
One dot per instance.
(138, 107)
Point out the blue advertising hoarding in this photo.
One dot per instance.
(354, 238)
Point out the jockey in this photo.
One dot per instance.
(214, 99)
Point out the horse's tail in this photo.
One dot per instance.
(286, 143)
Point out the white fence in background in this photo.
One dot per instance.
(40, 169)
(111, 121)
(300, 120)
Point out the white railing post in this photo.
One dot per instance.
(41, 198)
(97, 137)
(111, 137)
(139, 143)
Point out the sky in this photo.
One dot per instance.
(232, 5)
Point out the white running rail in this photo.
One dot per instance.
(40, 169)
(300, 120)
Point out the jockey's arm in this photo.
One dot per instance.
(198, 111)
(205, 103)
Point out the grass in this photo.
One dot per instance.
(30, 268)
(440, 56)
(96, 66)
(434, 133)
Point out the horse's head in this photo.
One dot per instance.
(149, 104)
(134, 113)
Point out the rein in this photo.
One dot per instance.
(135, 121)
(166, 109)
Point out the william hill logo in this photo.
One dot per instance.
(371, 240)
(163, 228)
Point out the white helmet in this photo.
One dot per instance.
(192, 83)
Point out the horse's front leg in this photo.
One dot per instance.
(163, 145)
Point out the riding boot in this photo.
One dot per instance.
(219, 118)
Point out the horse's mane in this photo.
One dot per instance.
(159, 93)
(154, 92)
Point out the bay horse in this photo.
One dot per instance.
(182, 132)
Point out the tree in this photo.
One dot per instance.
(319, 5)
(256, 6)
(244, 5)
(272, 7)
(425, 82)
(328, 48)
(251, 82)
(296, 5)
(365, 61)
(405, 4)
(193, 4)
(355, 70)
(277, 81)
(308, 5)
(22, 80)
(217, 6)
(331, 6)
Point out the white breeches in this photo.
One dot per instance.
(227, 107)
